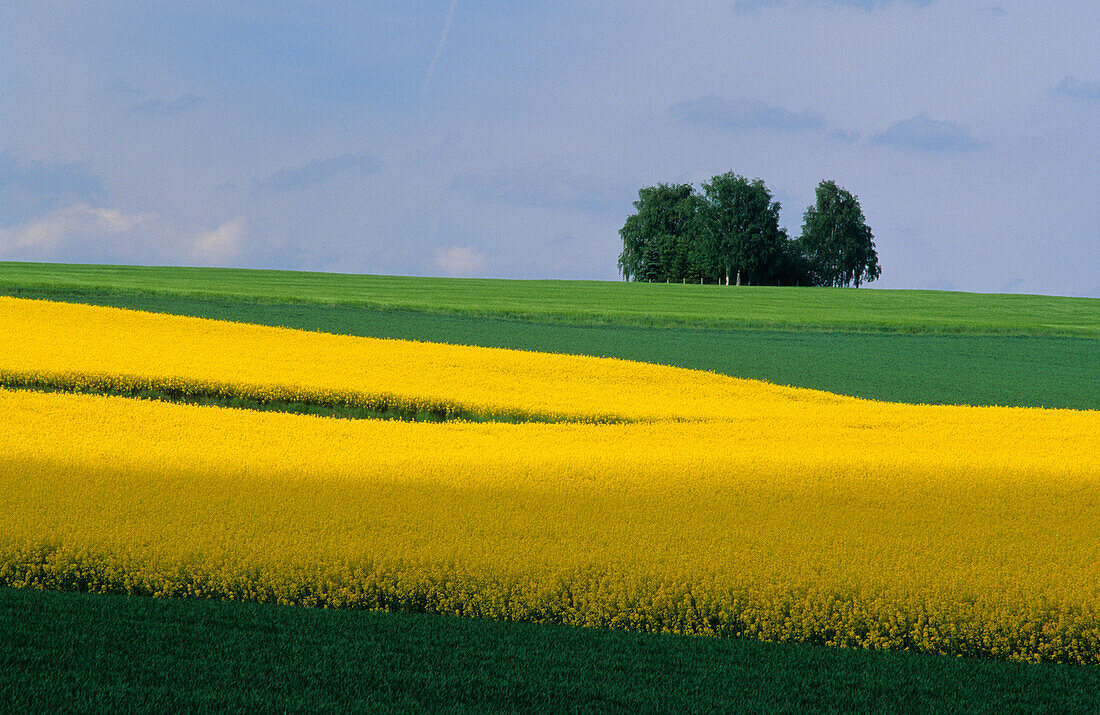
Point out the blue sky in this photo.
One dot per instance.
(505, 139)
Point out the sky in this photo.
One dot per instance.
(497, 139)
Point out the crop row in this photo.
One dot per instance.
(178, 389)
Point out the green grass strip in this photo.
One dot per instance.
(89, 652)
(343, 404)
(589, 302)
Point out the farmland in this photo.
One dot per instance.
(937, 534)
(115, 347)
(1037, 369)
(79, 651)
(622, 493)
(590, 302)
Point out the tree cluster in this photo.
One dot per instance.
(729, 233)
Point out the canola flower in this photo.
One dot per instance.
(67, 344)
(960, 530)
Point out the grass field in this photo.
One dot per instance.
(202, 654)
(81, 652)
(594, 301)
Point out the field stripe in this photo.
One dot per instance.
(605, 302)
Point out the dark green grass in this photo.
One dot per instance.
(315, 409)
(71, 651)
(589, 302)
(1034, 371)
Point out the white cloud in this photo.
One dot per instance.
(74, 227)
(223, 243)
(459, 261)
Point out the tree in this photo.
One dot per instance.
(836, 240)
(658, 240)
(742, 238)
(794, 268)
(730, 233)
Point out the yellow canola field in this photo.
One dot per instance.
(956, 530)
(79, 345)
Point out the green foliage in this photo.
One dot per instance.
(836, 239)
(743, 238)
(244, 402)
(658, 240)
(732, 233)
(89, 652)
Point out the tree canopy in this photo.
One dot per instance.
(741, 230)
(660, 239)
(730, 233)
(836, 239)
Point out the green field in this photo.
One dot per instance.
(594, 301)
(85, 651)
(68, 651)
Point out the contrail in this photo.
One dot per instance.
(438, 50)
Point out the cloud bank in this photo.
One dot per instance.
(80, 230)
(459, 261)
(749, 5)
(30, 188)
(545, 187)
(318, 171)
(169, 108)
(923, 134)
(741, 114)
(1073, 87)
